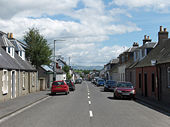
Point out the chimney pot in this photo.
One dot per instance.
(144, 37)
(11, 35)
(148, 37)
(8, 35)
(165, 30)
(160, 28)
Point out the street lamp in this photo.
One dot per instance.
(54, 69)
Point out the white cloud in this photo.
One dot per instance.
(117, 11)
(84, 53)
(84, 28)
(156, 5)
(26, 8)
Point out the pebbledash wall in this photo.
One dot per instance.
(24, 82)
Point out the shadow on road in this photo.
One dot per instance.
(57, 94)
(102, 90)
(153, 107)
(112, 98)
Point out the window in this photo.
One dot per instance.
(5, 82)
(23, 80)
(9, 50)
(153, 82)
(169, 77)
(33, 80)
(140, 80)
(130, 76)
(21, 53)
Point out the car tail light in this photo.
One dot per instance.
(65, 86)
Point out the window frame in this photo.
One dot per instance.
(5, 83)
(23, 80)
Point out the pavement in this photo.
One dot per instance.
(87, 106)
(154, 104)
(13, 105)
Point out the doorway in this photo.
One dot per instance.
(146, 86)
(13, 87)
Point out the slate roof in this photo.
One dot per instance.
(161, 53)
(114, 61)
(148, 45)
(7, 62)
(47, 68)
(17, 45)
(4, 42)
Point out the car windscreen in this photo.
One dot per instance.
(58, 83)
(112, 83)
(127, 85)
(101, 81)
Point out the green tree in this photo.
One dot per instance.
(66, 70)
(37, 51)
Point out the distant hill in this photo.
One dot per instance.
(87, 67)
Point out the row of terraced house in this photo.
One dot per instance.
(146, 66)
(17, 76)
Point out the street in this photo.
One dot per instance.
(87, 106)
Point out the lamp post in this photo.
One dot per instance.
(54, 69)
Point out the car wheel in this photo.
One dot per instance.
(134, 98)
(66, 93)
(52, 93)
(105, 89)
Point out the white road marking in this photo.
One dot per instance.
(88, 93)
(23, 109)
(88, 97)
(91, 113)
(89, 102)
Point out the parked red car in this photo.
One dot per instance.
(70, 85)
(124, 89)
(59, 86)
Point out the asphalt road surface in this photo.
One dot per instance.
(88, 106)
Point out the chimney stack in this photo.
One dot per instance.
(10, 35)
(146, 39)
(162, 34)
(135, 44)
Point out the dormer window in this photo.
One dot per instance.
(22, 54)
(10, 51)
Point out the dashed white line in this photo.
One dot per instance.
(89, 102)
(88, 93)
(88, 97)
(91, 113)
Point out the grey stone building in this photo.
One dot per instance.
(17, 76)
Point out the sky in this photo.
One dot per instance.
(94, 31)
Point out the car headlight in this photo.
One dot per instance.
(133, 92)
(119, 91)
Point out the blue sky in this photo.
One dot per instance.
(96, 31)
